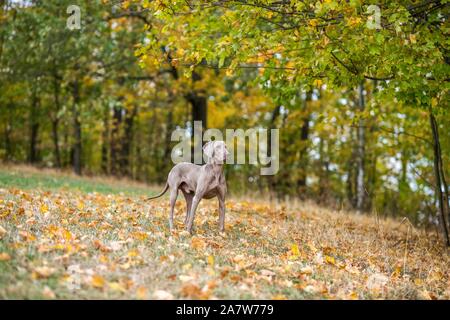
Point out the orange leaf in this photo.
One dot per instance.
(98, 281)
(4, 256)
(191, 290)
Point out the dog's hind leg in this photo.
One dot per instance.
(173, 200)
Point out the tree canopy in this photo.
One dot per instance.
(358, 89)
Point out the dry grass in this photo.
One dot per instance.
(84, 245)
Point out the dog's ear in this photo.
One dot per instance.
(208, 149)
(225, 147)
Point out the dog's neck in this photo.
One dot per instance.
(217, 167)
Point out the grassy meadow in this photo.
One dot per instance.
(66, 237)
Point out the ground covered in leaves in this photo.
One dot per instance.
(63, 242)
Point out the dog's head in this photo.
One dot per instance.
(216, 151)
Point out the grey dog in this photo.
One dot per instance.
(199, 182)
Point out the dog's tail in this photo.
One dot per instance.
(161, 194)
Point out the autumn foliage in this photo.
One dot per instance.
(65, 243)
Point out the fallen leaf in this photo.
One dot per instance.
(27, 236)
(295, 250)
(42, 272)
(162, 295)
(267, 273)
(2, 232)
(100, 246)
(424, 294)
(198, 243)
(185, 278)
(211, 260)
(141, 293)
(97, 281)
(43, 208)
(4, 256)
(116, 286)
(330, 260)
(191, 290)
(48, 293)
(279, 297)
(377, 281)
(306, 270)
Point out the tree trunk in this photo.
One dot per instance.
(55, 121)
(324, 170)
(272, 179)
(77, 147)
(166, 148)
(304, 136)
(127, 142)
(105, 140)
(34, 128)
(55, 136)
(442, 195)
(360, 159)
(115, 139)
(8, 130)
(199, 113)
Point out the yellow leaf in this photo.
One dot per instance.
(330, 260)
(44, 208)
(353, 296)
(318, 83)
(211, 260)
(140, 235)
(80, 205)
(67, 235)
(126, 4)
(98, 281)
(133, 253)
(279, 297)
(434, 102)
(295, 250)
(313, 22)
(116, 286)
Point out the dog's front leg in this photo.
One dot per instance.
(188, 197)
(202, 187)
(200, 191)
(195, 202)
(221, 197)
